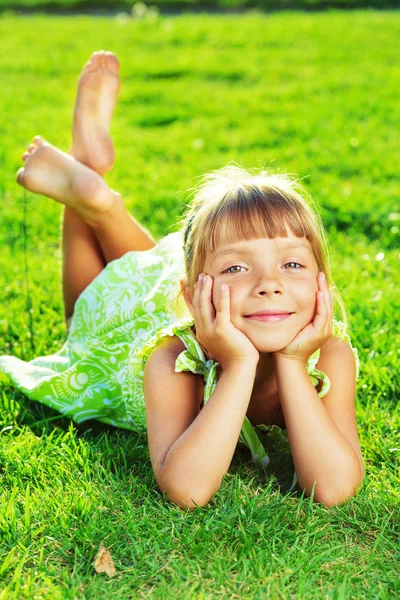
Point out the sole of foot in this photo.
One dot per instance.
(97, 94)
(57, 175)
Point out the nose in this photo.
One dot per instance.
(270, 285)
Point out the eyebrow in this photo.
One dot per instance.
(243, 250)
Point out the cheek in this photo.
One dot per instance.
(307, 298)
(312, 295)
(309, 289)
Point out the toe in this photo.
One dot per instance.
(95, 60)
(20, 176)
(25, 155)
(112, 61)
(32, 147)
(38, 140)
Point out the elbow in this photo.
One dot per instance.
(330, 500)
(187, 491)
(336, 489)
(333, 497)
(188, 498)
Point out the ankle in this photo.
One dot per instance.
(101, 164)
(116, 211)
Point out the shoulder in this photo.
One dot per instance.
(336, 354)
(164, 354)
(338, 363)
(161, 366)
(170, 346)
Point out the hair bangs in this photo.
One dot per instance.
(251, 214)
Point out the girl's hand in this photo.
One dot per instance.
(317, 332)
(214, 329)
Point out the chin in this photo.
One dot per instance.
(268, 347)
(268, 339)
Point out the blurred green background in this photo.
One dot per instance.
(194, 5)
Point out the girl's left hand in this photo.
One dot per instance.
(317, 332)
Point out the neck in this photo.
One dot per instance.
(265, 367)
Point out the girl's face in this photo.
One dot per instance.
(266, 275)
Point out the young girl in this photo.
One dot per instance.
(256, 345)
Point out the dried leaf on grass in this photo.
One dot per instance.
(103, 563)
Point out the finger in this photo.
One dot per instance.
(223, 312)
(327, 327)
(205, 301)
(321, 315)
(328, 299)
(195, 304)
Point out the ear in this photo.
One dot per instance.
(187, 296)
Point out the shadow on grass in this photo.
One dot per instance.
(280, 469)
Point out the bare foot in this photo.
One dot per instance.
(96, 98)
(53, 173)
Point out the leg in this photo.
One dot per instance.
(119, 233)
(55, 174)
(103, 241)
(95, 102)
(78, 240)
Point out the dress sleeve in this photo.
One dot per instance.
(192, 359)
(174, 329)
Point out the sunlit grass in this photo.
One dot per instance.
(315, 95)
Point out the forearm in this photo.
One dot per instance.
(321, 453)
(197, 461)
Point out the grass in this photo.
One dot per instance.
(315, 95)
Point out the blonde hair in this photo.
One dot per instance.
(250, 204)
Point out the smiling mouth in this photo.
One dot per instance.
(270, 318)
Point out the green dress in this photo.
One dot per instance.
(118, 320)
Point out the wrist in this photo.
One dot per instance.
(287, 359)
(247, 365)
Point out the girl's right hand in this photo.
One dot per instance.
(214, 329)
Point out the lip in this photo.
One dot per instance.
(275, 311)
(269, 316)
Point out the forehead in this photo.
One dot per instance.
(255, 228)
(262, 245)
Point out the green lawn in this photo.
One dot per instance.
(315, 95)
